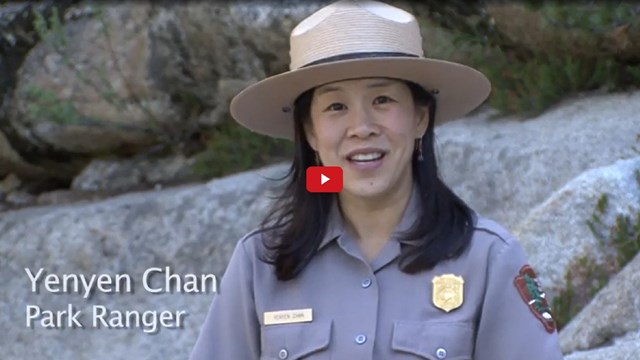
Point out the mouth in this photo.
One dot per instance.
(366, 159)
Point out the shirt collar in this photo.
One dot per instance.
(410, 214)
(336, 226)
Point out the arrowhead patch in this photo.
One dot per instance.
(529, 288)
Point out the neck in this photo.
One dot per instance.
(374, 219)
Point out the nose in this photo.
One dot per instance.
(362, 123)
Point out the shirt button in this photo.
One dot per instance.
(361, 339)
(366, 283)
(283, 354)
(441, 353)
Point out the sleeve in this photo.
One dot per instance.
(231, 328)
(515, 320)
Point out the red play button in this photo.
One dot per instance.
(324, 179)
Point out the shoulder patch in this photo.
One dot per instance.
(529, 288)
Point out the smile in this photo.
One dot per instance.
(368, 157)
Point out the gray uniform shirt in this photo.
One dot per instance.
(372, 310)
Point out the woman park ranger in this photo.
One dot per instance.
(395, 265)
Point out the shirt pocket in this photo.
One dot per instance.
(434, 340)
(295, 341)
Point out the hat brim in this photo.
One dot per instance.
(266, 107)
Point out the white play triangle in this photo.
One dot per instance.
(323, 179)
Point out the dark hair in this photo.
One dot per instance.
(297, 221)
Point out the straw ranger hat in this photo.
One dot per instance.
(355, 39)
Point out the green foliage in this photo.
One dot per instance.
(595, 221)
(531, 86)
(626, 238)
(45, 104)
(522, 84)
(623, 236)
(50, 30)
(586, 276)
(232, 148)
(594, 19)
(583, 280)
(573, 50)
(52, 33)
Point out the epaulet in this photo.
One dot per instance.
(491, 227)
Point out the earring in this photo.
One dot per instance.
(420, 157)
(318, 159)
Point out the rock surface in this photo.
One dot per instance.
(18, 35)
(555, 234)
(12, 162)
(615, 311)
(88, 90)
(505, 167)
(191, 229)
(133, 173)
(627, 348)
(137, 74)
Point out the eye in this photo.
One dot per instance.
(335, 107)
(382, 100)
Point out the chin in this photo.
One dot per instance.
(367, 188)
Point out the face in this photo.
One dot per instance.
(369, 128)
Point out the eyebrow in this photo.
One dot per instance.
(377, 84)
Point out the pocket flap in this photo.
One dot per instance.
(434, 340)
(297, 340)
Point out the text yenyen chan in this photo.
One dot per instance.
(155, 280)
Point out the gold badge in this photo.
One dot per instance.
(448, 291)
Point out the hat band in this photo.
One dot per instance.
(359, 55)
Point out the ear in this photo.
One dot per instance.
(422, 119)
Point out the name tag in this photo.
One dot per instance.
(288, 316)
